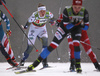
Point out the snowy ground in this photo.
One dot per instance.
(57, 69)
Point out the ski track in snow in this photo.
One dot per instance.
(57, 69)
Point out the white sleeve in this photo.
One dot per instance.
(51, 15)
(31, 18)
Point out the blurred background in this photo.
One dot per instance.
(22, 10)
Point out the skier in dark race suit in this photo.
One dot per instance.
(75, 18)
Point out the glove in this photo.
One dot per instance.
(85, 27)
(70, 26)
(57, 24)
(52, 22)
(76, 22)
(24, 27)
(8, 32)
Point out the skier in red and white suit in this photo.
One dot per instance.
(4, 43)
(85, 43)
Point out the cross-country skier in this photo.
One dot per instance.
(87, 48)
(4, 43)
(75, 18)
(37, 22)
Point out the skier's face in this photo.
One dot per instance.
(42, 13)
(77, 8)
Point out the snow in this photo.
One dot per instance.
(57, 69)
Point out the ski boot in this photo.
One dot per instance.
(97, 66)
(30, 67)
(79, 70)
(12, 63)
(16, 64)
(78, 66)
(44, 62)
(22, 63)
(72, 65)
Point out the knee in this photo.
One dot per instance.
(44, 41)
(76, 42)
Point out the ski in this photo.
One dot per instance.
(45, 67)
(96, 70)
(69, 71)
(24, 71)
(83, 72)
(16, 68)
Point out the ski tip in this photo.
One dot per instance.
(24, 71)
(17, 72)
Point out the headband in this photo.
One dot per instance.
(41, 8)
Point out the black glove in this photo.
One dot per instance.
(2, 1)
(75, 21)
(57, 24)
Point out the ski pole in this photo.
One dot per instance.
(56, 48)
(57, 55)
(22, 45)
(18, 25)
(89, 45)
(60, 8)
(52, 29)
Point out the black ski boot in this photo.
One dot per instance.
(22, 63)
(72, 65)
(78, 66)
(44, 62)
(30, 67)
(97, 66)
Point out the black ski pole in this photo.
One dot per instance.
(18, 25)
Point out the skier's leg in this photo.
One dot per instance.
(71, 53)
(8, 48)
(32, 34)
(26, 54)
(76, 35)
(44, 41)
(9, 60)
(88, 49)
(6, 45)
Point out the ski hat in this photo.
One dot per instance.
(77, 2)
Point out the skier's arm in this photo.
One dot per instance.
(30, 20)
(65, 17)
(51, 19)
(27, 25)
(86, 20)
(59, 20)
(5, 19)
